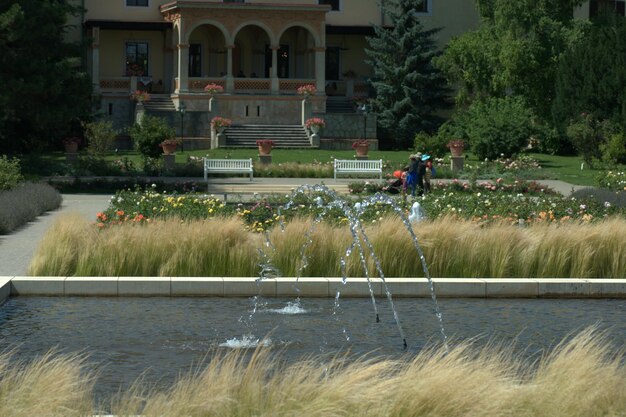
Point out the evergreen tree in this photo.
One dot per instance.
(409, 89)
(44, 88)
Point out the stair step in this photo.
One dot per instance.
(284, 136)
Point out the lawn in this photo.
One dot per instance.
(565, 168)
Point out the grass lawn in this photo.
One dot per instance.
(565, 168)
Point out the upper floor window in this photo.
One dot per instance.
(140, 3)
(334, 4)
(137, 58)
(424, 6)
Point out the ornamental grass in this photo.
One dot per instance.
(221, 246)
(579, 378)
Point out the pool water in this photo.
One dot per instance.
(164, 337)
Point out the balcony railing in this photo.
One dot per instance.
(196, 85)
(253, 85)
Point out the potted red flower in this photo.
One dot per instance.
(265, 146)
(71, 144)
(456, 147)
(169, 146)
(361, 147)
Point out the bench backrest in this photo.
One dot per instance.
(356, 165)
(352, 166)
(234, 164)
(226, 166)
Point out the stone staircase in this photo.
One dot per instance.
(159, 103)
(284, 136)
(339, 105)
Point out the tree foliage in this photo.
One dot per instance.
(409, 89)
(515, 50)
(44, 88)
(592, 75)
(497, 127)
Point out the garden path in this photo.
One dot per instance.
(17, 248)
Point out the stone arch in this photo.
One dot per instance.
(250, 45)
(309, 28)
(268, 31)
(297, 52)
(210, 22)
(207, 51)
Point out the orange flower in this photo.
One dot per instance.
(120, 213)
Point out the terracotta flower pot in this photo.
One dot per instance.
(361, 150)
(169, 149)
(456, 150)
(265, 149)
(71, 147)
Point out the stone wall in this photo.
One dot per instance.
(349, 126)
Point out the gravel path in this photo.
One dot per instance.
(17, 248)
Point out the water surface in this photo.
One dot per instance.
(163, 337)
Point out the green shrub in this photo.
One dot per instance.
(10, 173)
(612, 180)
(614, 150)
(23, 204)
(431, 144)
(587, 133)
(100, 136)
(497, 126)
(148, 136)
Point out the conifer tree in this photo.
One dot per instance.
(409, 89)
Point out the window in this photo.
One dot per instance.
(424, 6)
(596, 6)
(137, 58)
(332, 63)
(139, 3)
(334, 4)
(195, 60)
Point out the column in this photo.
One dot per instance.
(230, 81)
(275, 84)
(95, 59)
(183, 68)
(168, 63)
(320, 70)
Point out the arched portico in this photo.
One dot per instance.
(260, 44)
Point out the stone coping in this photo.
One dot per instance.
(310, 287)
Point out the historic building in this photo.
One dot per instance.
(259, 51)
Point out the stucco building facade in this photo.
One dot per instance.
(259, 51)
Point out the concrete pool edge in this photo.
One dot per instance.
(310, 287)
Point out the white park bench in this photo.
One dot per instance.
(227, 166)
(351, 166)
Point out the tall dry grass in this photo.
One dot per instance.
(52, 386)
(582, 377)
(221, 247)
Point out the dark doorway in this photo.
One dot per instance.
(283, 61)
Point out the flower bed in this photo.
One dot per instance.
(613, 180)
